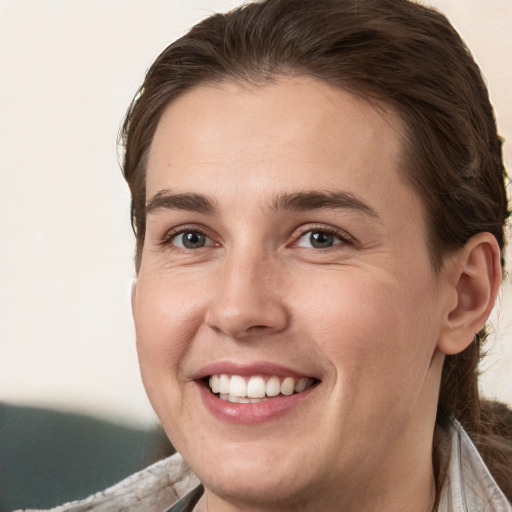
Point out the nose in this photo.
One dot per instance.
(248, 301)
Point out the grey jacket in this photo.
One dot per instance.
(469, 487)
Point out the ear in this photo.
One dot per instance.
(475, 278)
(134, 296)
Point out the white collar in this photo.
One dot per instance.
(469, 486)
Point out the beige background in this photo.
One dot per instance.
(68, 70)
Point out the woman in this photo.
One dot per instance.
(318, 199)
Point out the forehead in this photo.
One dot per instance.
(287, 136)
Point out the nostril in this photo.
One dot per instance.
(256, 330)
(241, 318)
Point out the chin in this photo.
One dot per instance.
(259, 487)
(260, 474)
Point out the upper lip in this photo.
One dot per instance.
(248, 369)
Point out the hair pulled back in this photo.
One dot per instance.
(393, 52)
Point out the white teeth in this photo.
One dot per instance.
(300, 385)
(288, 386)
(237, 389)
(273, 387)
(241, 400)
(214, 383)
(223, 384)
(256, 387)
(238, 399)
(237, 386)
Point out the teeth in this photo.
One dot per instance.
(237, 386)
(301, 385)
(288, 386)
(223, 384)
(238, 400)
(237, 389)
(256, 387)
(214, 383)
(273, 387)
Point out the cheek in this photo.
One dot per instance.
(166, 316)
(370, 325)
(166, 319)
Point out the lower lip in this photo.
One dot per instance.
(254, 412)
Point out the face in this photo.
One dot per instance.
(286, 309)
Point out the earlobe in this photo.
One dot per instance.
(476, 278)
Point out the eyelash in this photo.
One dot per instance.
(173, 233)
(342, 236)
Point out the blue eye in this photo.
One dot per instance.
(318, 239)
(190, 240)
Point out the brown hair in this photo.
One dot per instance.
(395, 52)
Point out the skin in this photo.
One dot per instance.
(368, 317)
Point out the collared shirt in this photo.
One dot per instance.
(468, 487)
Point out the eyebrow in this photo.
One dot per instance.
(165, 199)
(314, 200)
(296, 201)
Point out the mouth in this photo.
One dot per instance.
(256, 388)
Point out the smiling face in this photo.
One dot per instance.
(285, 266)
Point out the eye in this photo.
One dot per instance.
(190, 240)
(319, 239)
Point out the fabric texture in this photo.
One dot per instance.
(187, 503)
(469, 486)
(153, 489)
